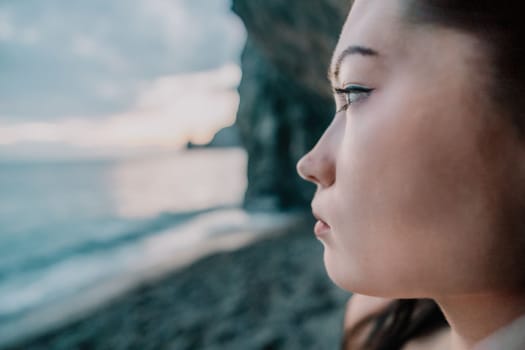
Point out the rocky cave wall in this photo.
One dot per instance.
(285, 98)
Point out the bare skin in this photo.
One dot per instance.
(421, 180)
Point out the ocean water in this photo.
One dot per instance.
(67, 227)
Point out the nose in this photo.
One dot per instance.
(318, 165)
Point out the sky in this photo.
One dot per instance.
(109, 77)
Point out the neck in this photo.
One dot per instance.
(473, 317)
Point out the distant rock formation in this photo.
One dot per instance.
(226, 137)
(285, 99)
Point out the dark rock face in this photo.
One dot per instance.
(285, 96)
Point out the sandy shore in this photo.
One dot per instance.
(270, 294)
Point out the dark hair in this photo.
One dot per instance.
(500, 29)
(402, 320)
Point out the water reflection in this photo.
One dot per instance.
(185, 181)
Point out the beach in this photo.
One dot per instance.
(268, 293)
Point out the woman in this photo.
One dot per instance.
(420, 176)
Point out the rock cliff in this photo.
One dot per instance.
(285, 99)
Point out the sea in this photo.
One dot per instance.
(67, 228)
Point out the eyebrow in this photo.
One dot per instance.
(333, 71)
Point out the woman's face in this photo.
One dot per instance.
(419, 178)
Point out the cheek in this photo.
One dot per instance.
(411, 192)
(407, 167)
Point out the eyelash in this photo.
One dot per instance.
(346, 93)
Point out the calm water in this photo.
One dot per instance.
(65, 227)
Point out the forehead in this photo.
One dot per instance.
(372, 23)
(404, 47)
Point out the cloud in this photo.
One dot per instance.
(6, 28)
(167, 113)
(89, 48)
(62, 57)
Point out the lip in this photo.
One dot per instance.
(321, 228)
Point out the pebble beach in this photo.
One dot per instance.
(272, 293)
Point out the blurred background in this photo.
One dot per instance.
(148, 192)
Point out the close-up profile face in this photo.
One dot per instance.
(420, 174)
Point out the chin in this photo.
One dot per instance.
(337, 272)
(346, 276)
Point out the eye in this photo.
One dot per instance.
(352, 94)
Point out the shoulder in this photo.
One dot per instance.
(361, 306)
